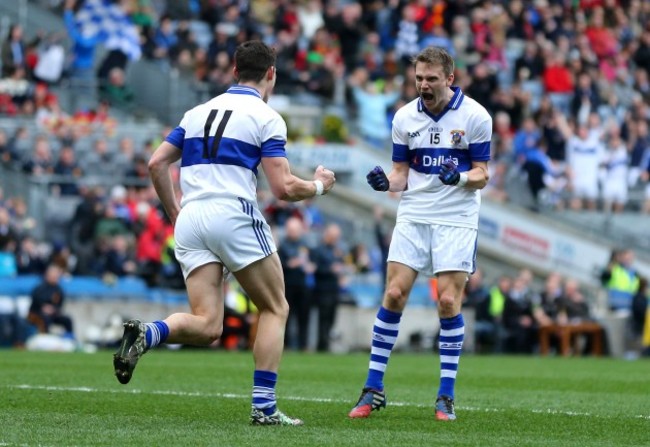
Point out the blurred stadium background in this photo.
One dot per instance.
(90, 88)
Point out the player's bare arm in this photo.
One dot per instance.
(286, 186)
(159, 164)
(398, 176)
(477, 177)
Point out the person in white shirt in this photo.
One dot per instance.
(615, 175)
(441, 148)
(219, 226)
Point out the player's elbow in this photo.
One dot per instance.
(155, 164)
(281, 191)
(286, 190)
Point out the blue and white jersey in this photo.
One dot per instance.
(585, 156)
(223, 142)
(462, 132)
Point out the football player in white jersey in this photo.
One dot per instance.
(441, 147)
(218, 224)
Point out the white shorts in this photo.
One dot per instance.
(586, 188)
(431, 249)
(232, 232)
(615, 192)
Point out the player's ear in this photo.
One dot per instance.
(270, 73)
(235, 73)
(450, 80)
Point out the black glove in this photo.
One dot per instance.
(449, 174)
(377, 179)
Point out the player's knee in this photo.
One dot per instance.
(395, 297)
(446, 302)
(281, 309)
(278, 307)
(213, 333)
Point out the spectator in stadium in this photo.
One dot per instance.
(329, 260)
(119, 260)
(7, 153)
(518, 319)
(343, 22)
(550, 294)
(115, 90)
(645, 177)
(584, 153)
(83, 226)
(99, 161)
(82, 62)
(639, 140)
(124, 158)
(372, 102)
(544, 176)
(488, 329)
(526, 139)
(475, 290)
(51, 60)
(572, 309)
(424, 248)
(382, 238)
(165, 40)
(40, 162)
(615, 176)
(621, 280)
(12, 52)
(558, 81)
(317, 79)
(297, 267)
(48, 299)
(358, 258)
(29, 257)
(67, 166)
(226, 240)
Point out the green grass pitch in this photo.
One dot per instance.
(202, 398)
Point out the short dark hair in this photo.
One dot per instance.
(436, 56)
(252, 60)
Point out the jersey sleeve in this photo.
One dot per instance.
(400, 141)
(177, 136)
(480, 139)
(274, 138)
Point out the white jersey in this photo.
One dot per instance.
(223, 142)
(616, 161)
(462, 132)
(585, 157)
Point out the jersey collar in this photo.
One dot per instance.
(243, 90)
(453, 104)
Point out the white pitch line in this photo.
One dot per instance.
(294, 398)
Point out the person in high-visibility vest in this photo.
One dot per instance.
(621, 280)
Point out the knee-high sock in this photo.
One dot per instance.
(264, 391)
(452, 332)
(384, 335)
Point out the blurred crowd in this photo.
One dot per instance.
(567, 83)
(513, 311)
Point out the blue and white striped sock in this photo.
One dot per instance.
(452, 332)
(384, 335)
(157, 333)
(264, 391)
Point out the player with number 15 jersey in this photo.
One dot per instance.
(462, 133)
